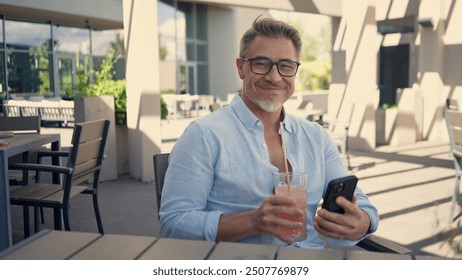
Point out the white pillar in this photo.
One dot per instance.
(431, 69)
(354, 68)
(143, 93)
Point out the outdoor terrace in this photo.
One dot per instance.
(410, 185)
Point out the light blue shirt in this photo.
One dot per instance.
(220, 165)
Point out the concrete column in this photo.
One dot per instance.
(354, 68)
(431, 69)
(143, 93)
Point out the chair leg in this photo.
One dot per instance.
(97, 214)
(25, 214)
(347, 154)
(36, 219)
(66, 219)
(57, 219)
(454, 200)
(42, 216)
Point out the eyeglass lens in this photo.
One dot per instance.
(263, 66)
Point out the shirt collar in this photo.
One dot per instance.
(250, 121)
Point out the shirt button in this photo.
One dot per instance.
(258, 124)
(264, 146)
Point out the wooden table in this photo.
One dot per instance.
(61, 245)
(18, 144)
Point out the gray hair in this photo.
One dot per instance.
(268, 27)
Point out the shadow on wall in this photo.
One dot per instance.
(142, 144)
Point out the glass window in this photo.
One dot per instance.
(166, 26)
(202, 78)
(2, 63)
(103, 40)
(2, 75)
(38, 35)
(184, 22)
(1, 33)
(401, 25)
(201, 22)
(202, 54)
(190, 49)
(29, 72)
(71, 39)
(183, 39)
(181, 50)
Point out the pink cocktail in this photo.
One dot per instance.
(296, 189)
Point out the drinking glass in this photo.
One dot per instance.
(293, 184)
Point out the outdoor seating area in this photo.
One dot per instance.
(411, 186)
(60, 112)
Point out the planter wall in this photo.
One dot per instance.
(384, 123)
(401, 125)
(95, 108)
(122, 150)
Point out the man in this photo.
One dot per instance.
(219, 183)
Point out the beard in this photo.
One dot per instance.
(271, 103)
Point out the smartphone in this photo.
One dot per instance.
(344, 186)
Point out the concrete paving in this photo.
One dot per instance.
(411, 186)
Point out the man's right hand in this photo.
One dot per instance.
(266, 219)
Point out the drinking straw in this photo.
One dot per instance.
(284, 154)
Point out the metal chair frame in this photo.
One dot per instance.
(454, 124)
(83, 165)
(341, 138)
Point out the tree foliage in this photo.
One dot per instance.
(104, 84)
(315, 71)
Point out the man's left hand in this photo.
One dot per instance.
(352, 225)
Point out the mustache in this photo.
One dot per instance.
(280, 85)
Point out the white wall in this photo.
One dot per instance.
(143, 93)
(354, 78)
(167, 76)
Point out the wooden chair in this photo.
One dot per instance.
(372, 243)
(340, 138)
(10, 110)
(20, 125)
(454, 125)
(83, 164)
(160, 168)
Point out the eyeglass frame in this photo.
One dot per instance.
(272, 64)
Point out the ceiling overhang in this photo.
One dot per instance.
(322, 7)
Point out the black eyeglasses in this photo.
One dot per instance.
(263, 65)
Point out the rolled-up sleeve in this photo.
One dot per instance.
(187, 184)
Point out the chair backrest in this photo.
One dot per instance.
(344, 123)
(87, 151)
(160, 168)
(454, 125)
(10, 109)
(20, 124)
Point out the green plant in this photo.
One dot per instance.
(388, 106)
(163, 109)
(103, 84)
